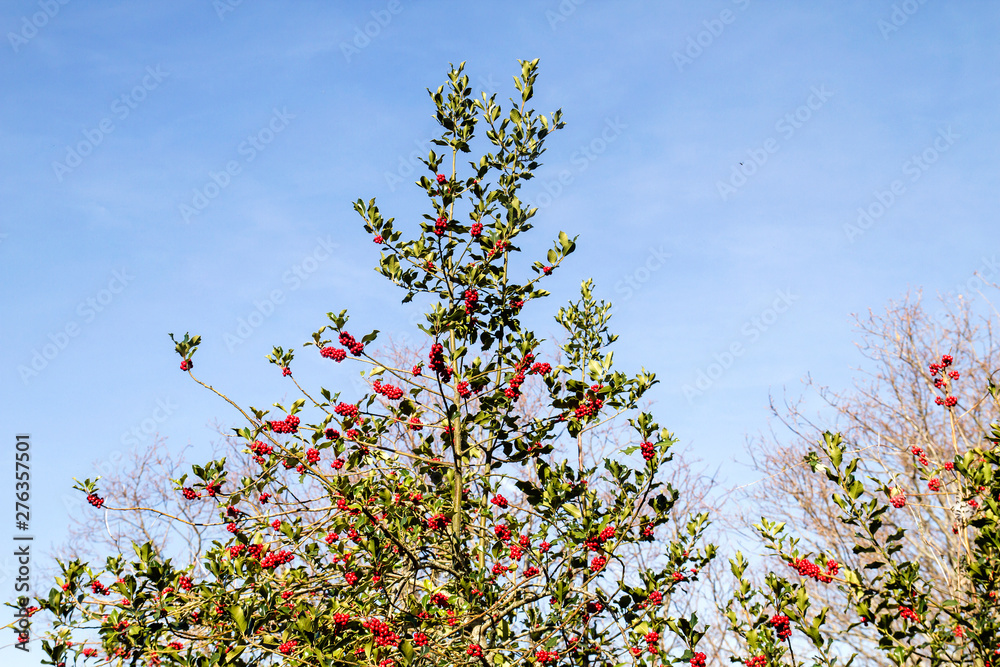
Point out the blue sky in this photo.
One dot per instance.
(116, 116)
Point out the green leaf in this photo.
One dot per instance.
(237, 613)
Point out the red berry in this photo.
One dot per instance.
(334, 353)
(187, 365)
(441, 178)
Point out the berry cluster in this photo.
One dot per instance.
(437, 522)
(189, 493)
(312, 455)
(415, 424)
(334, 353)
(261, 449)
(420, 639)
(290, 424)
(918, 452)
(941, 382)
(541, 367)
(274, 559)
(348, 411)
(378, 239)
(652, 640)
(500, 568)
(437, 362)
(99, 588)
(591, 405)
(463, 389)
(95, 500)
(476, 229)
(502, 532)
(500, 246)
(698, 660)
(530, 571)
(543, 656)
(184, 582)
(391, 392)
(287, 647)
(781, 624)
(934, 484)
(475, 650)
(499, 501)
(898, 498)
(187, 365)
(513, 390)
(647, 451)
(598, 564)
(946, 361)
(384, 636)
(471, 297)
(441, 178)
(947, 401)
(908, 613)
(756, 661)
(440, 226)
(807, 568)
(347, 340)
